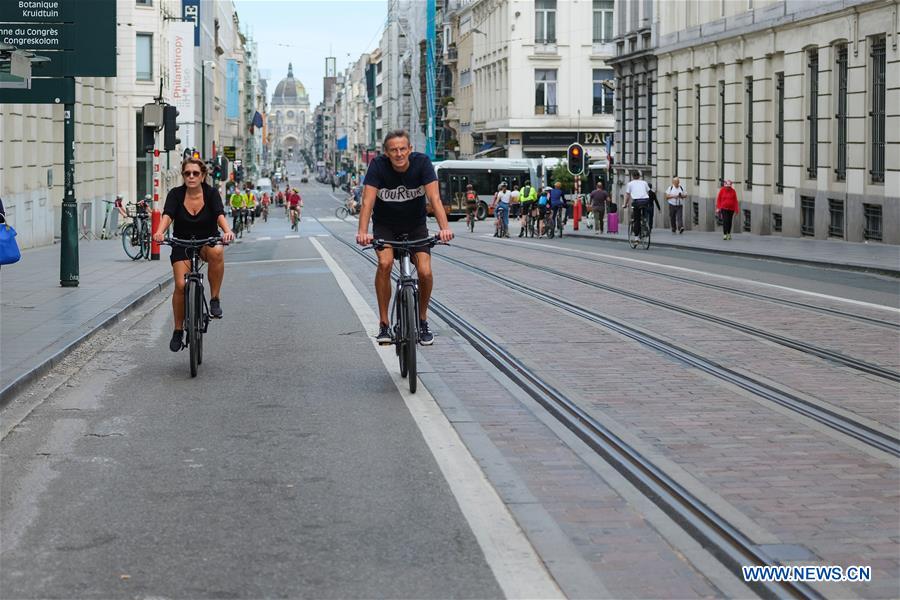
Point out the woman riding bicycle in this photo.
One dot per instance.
(197, 211)
(471, 206)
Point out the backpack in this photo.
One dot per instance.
(526, 190)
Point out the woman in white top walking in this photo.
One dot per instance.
(675, 196)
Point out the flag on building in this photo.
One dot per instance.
(257, 121)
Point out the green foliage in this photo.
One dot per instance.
(561, 173)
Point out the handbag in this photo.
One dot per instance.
(9, 249)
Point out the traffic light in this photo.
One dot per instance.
(170, 116)
(148, 138)
(575, 159)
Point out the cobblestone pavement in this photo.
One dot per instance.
(786, 481)
(872, 397)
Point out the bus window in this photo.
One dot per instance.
(481, 182)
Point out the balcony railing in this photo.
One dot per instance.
(545, 109)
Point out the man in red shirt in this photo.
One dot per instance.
(295, 204)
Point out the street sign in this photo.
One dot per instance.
(57, 30)
(229, 152)
(43, 91)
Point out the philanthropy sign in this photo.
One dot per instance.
(181, 72)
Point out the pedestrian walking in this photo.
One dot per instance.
(675, 198)
(599, 198)
(654, 201)
(726, 206)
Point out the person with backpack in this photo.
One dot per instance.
(471, 206)
(527, 199)
(675, 198)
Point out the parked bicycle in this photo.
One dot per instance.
(196, 308)
(136, 236)
(405, 311)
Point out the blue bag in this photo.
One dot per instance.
(9, 249)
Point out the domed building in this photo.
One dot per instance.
(289, 118)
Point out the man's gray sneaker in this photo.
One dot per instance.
(384, 335)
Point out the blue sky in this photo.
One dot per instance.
(304, 32)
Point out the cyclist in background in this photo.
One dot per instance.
(542, 208)
(294, 203)
(558, 203)
(265, 202)
(637, 193)
(236, 201)
(527, 199)
(394, 194)
(471, 204)
(250, 204)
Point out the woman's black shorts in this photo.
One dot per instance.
(382, 231)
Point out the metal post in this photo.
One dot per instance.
(68, 249)
(154, 221)
(202, 109)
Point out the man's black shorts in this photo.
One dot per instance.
(383, 231)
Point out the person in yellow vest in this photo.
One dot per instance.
(528, 200)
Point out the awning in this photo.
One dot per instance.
(489, 150)
(486, 146)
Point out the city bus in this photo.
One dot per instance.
(485, 175)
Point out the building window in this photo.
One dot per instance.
(635, 125)
(877, 113)
(836, 222)
(807, 216)
(748, 133)
(747, 222)
(721, 132)
(675, 130)
(872, 216)
(696, 211)
(603, 94)
(841, 116)
(649, 131)
(603, 21)
(144, 2)
(812, 115)
(779, 134)
(545, 91)
(144, 57)
(776, 222)
(697, 134)
(545, 21)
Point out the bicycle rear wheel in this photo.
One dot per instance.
(645, 234)
(342, 212)
(551, 230)
(128, 237)
(410, 335)
(192, 323)
(145, 240)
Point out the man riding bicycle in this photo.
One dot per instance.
(637, 193)
(295, 202)
(471, 204)
(558, 204)
(237, 201)
(395, 189)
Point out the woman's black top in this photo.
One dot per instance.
(201, 225)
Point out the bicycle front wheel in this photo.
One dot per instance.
(410, 335)
(192, 323)
(129, 236)
(342, 212)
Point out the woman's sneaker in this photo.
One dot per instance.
(215, 308)
(175, 344)
(384, 337)
(426, 338)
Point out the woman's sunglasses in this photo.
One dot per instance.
(191, 173)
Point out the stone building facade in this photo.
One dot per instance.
(792, 101)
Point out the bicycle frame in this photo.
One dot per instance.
(406, 279)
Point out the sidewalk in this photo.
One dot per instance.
(42, 322)
(856, 256)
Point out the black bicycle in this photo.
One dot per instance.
(136, 236)
(405, 310)
(643, 239)
(196, 309)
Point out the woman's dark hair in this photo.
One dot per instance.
(195, 161)
(397, 133)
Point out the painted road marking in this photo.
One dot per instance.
(272, 260)
(514, 562)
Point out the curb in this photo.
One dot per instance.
(801, 261)
(105, 320)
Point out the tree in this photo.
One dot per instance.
(561, 173)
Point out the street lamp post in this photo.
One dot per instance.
(212, 64)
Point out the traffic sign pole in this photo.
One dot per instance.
(154, 222)
(68, 248)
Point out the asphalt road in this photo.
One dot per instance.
(290, 467)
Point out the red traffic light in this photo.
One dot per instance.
(576, 151)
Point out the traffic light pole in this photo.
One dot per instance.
(68, 248)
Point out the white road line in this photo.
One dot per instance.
(264, 238)
(292, 237)
(514, 562)
(272, 260)
(328, 219)
(708, 274)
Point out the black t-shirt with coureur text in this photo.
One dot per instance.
(400, 200)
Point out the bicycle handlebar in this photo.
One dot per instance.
(210, 241)
(431, 241)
